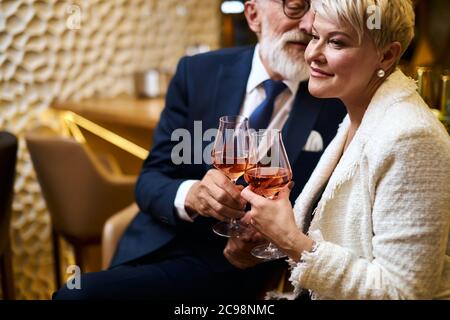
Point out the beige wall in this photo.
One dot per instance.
(45, 56)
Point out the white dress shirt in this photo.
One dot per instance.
(255, 95)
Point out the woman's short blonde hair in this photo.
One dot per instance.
(396, 16)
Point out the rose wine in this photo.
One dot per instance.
(267, 181)
(232, 167)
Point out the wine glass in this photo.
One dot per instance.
(445, 100)
(267, 173)
(445, 97)
(230, 156)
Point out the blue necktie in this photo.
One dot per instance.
(260, 118)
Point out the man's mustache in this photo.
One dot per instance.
(295, 36)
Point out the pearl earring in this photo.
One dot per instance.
(381, 73)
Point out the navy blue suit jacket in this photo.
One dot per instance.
(204, 88)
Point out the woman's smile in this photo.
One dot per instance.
(318, 73)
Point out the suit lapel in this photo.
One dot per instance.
(231, 85)
(304, 114)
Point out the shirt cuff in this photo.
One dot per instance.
(180, 199)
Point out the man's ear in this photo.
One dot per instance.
(253, 16)
(391, 55)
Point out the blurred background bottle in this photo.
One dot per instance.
(445, 99)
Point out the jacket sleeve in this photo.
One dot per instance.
(410, 230)
(160, 178)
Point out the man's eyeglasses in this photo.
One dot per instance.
(295, 9)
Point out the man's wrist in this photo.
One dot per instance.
(181, 200)
(191, 213)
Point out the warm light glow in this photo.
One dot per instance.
(232, 7)
(74, 130)
(74, 120)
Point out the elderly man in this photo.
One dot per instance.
(169, 251)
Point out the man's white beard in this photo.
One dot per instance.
(291, 66)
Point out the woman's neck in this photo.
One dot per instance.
(357, 105)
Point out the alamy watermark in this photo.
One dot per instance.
(182, 152)
(374, 19)
(198, 148)
(74, 281)
(73, 21)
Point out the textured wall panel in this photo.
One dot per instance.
(45, 54)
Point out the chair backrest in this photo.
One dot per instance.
(8, 158)
(78, 191)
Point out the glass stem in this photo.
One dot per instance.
(233, 221)
(271, 247)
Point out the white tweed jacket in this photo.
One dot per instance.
(382, 224)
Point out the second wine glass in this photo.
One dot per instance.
(268, 172)
(230, 156)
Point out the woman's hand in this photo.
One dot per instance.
(238, 250)
(274, 219)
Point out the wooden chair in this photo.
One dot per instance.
(113, 230)
(81, 194)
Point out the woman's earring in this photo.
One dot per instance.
(381, 73)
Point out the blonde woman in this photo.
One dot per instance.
(380, 229)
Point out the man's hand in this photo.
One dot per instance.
(238, 250)
(215, 196)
